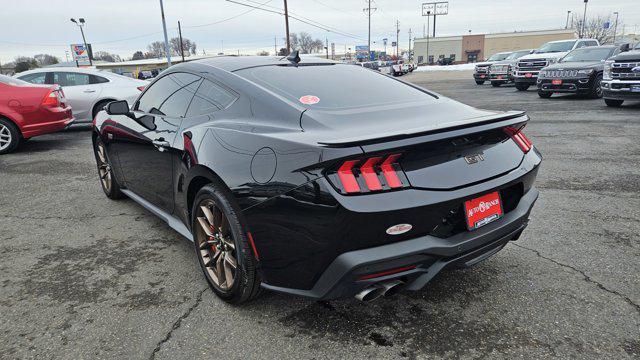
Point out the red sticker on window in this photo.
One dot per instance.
(309, 99)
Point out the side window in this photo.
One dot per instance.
(159, 91)
(580, 44)
(70, 79)
(176, 105)
(95, 79)
(38, 78)
(593, 43)
(210, 97)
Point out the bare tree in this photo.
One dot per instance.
(105, 56)
(138, 55)
(263, 53)
(156, 49)
(46, 59)
(24, 63)
(600, 28)
(189, 46)
(305, 43)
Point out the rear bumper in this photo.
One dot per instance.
(55, 120)
(426, 256)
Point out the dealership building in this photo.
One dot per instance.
(472, 48)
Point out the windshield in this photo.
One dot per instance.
(518, 54)
(556, 47)
(637, 46)
(588, 54)
(332, 87)
(498, 56)
(12, 81)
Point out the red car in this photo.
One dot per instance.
(28, 110)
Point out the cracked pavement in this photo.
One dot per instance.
(85, 277)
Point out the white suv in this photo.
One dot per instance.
(528, 66)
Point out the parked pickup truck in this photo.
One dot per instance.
(528, 67)
(501, 72)
(481, 73)
(621, 78)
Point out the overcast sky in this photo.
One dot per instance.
(29, 27)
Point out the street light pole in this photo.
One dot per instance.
(615, 29)
(80, 24)
(166, 39)
(181, 45)
(584, 19)
(428, 28)
(566, 26)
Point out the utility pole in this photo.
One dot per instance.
(615, 29)
(584, 19)
(428, 28)
(397, 38)
(566, 26)
(286, 22)
(275, 46)
(166, 38)
(367, 10)
(409, 57)
(181, 45)
(434, 24)
(326, 41)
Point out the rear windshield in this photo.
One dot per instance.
(498, 56)
(333, 86)
(556, 47)
(12, 81)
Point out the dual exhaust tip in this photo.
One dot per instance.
(388, 288)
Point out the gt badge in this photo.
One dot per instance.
(399, 229)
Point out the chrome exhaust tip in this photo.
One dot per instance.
(392, 287)
(371, 293)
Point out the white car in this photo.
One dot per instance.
(87, 90)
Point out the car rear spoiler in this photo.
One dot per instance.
(452, 129)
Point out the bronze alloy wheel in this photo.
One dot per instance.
(215, 245)
(104, 169)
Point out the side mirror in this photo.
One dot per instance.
(625, 47)
(120, 107)
(532, 51)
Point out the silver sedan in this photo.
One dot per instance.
(87, 90)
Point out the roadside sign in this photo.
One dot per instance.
(394, 44)
(606, 25)
(80, 54)
(435, 8)
(362, 52)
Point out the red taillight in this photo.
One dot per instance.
(347, 178)
(385, 273)
(52, 99)
(520, 139)
(376, 173)
(141, 88)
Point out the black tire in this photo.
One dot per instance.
(99, 106)
(596, 88)
(479, 82)
(613, 102)
(544, 94)
(10, 136)
(108, 181)
(495, 84)
(522, 86)
(246, 280)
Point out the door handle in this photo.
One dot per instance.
(161, 144)
(89, 91)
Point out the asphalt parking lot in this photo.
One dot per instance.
(85, 277)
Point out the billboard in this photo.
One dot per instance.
(80, 53)
(435, 8)
(362, 52)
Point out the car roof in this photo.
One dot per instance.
(234, 63)
(64, 69)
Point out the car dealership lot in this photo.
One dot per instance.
(82, 276)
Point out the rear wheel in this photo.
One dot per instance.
(108, 181)
(613, 102)
(222, 246)
(596, 89)
(9, 136)
(495, 84)
(544, 94)
(479, 82)
(522, 86)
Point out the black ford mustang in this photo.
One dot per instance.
(316, 178)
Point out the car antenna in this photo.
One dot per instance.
(294, 57)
